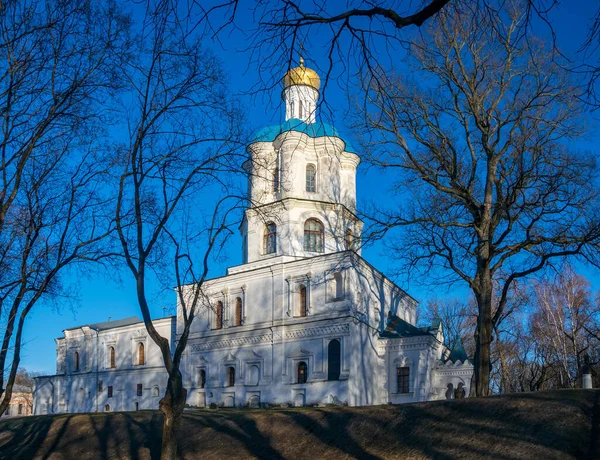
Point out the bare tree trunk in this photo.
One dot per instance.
(483, 335)
(172, 405)
(483, 342)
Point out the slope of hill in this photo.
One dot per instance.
(545, 425)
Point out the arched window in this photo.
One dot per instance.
(219, 315)
(202, 378)
(302, 372)
(76, 360)
(300, 108)
(334, 360)
(238, 311)
(141, 354)
(349, 240)
(111, 357)
(155, 391)
(230, 376)
(311, 178)
(270, 239)
(313, 236)
(303, 301)
(107, 408)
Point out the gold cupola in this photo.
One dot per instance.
(301, 76)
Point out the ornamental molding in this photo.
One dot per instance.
(454, 372)
(110, 338)
(230, 357)
(316, 331)
(139, 334)
(231, 342)
(407, 346)
(337, 329)
(302, 353)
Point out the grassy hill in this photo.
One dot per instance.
(545, 425)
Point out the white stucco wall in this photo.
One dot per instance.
(77, 391)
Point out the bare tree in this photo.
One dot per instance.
(184, 141)
(55, 70)
(479, 142)
(565, 313)
(355, 30)
(457, 317)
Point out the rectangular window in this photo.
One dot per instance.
(99, 386)
(139, 389)
(403, 379)
(110, 391)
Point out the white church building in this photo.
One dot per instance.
(304, 320)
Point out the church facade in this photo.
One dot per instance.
(304, 320)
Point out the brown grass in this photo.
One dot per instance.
(545, 425)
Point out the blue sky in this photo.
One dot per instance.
(101, 296)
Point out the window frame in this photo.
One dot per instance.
(230, 374)
(219, 312)
(302, 365)
(270, 238)
(349, 240)
(403, 379)
(141, 357)
(112, 357)
(334, 376)
(314, 238)
(202, 378)
(310, 178)
(303, 301)
(109, 391)
(76, 368)
(238, 312)
(140, 389)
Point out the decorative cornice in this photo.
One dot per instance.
(320, 330)
(268, 337)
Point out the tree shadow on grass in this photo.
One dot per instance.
(541, 425)
(150, 428)
(237, 427)
(26, 436)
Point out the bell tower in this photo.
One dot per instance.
(301, 182)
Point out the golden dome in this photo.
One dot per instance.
(301, 76)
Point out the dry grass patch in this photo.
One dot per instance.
(548, 425)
